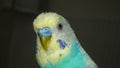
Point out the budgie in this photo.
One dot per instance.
(57, 45)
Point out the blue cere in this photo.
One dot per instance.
(45, 31)
(62, 43)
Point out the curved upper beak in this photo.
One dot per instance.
(44, 35)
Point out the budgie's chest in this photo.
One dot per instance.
(76, 57)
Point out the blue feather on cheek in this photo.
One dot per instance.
(62, 43)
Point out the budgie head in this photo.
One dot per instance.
(55, 42)
(53, 37)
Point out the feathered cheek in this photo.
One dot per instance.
(62, 43)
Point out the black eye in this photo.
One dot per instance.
(60, 26)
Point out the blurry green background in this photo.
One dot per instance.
(95, 22)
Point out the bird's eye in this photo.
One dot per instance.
(60, 26)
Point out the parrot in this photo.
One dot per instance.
(57, 45)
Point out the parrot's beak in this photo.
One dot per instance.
(45, 37)
(45, 40)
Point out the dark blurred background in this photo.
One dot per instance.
(96, 24)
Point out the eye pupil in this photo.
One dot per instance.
(60, 27)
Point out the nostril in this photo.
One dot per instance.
(47, 31)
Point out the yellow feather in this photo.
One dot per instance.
(46, 20)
